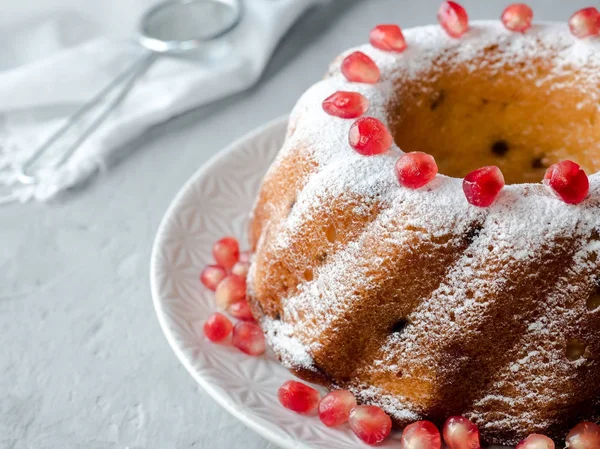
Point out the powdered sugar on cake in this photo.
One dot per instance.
(524, 224)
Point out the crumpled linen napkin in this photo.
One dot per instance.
(36, 98)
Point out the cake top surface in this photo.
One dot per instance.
(517, 225)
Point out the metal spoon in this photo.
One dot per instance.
(171, 27)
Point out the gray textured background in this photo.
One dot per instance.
(83, 362)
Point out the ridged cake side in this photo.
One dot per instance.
(416, 300)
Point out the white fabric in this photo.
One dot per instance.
(51, 66)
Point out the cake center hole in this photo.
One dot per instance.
(469, 118)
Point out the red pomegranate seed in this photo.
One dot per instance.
(298, 397)
(421, 435)
(568, 181)
(359, 68)
(245, 256)
(388, 38)
(517, 17)
(535, 441)
(453, 18)
(460, 433)
(369, 136)
(483, 185)
(334, 408)
(248, 338)
(231, 289)
(212, 275)
(415, 169)
(370, 423)
(240, 269)
(585, 22)
(217, 327)
(346, 104)
(585, 435)
(241, 310)
(226, 252)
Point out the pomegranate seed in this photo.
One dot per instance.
(535, 441)
(369, 136)
(585, 435)
(226, 252)
(359, 68)
(240, 269)
(217, 327)
(334, 408)
(346, 104)
(241, 310)
(517, 17)
(453, 18)
(568, 181)
(483, 185)
(388, 38)
(585, 22)
(212, 275)
(370, 423)
(248, 338)
(421, 435)
(231, 289)
(415, 169)
(298, 397)
(460, 433)
(245, 256)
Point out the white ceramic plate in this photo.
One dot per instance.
(216, 202)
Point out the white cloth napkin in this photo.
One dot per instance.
(69, 68)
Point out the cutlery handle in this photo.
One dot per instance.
(87, 119)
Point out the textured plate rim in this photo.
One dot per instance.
(242, 413)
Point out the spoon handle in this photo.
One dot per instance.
(86, 119)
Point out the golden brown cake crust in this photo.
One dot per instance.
(415, 300)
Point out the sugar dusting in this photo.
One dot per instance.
(514, 231)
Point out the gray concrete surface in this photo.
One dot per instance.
(83, 362)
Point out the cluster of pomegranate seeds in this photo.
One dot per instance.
(212, 275)
(346, 104)
(359, 68)
(460, 433)
(228, 280)
(453, 18)
(415, 169)
(298, 397)
(388, 38)
(585, 435)
(536, 441)
(585, 23)
(248, 338)
(230, 290)
(217, 327)
(421, 435)
(483, 185)
(370, 423)
(226, 252)
(568, 181)
(517, 17)
(369, 136)
(335, 407)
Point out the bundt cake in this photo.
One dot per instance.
(419, 300)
